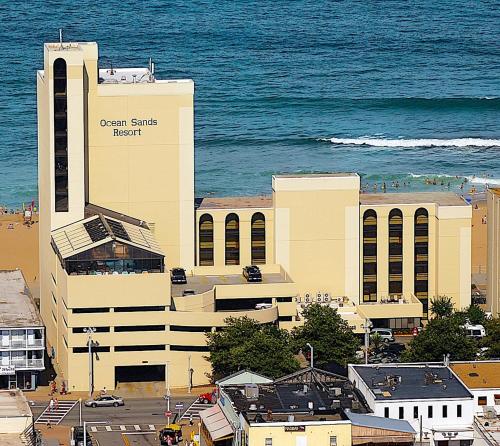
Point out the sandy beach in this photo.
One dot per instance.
(19, 247)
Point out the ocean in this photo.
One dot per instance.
(406, 93)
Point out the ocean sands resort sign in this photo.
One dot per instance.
(127, 127)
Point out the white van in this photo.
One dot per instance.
(475, 331)
(385, 333)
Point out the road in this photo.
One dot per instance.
(134, 424)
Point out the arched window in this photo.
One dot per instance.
(232, 239)
(370, 256)
(421, 260)
(258, 238)
(206, 240)
(395, 252)
(60, 136)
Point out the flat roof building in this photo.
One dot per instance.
(118, 211)
(430, 394)
(16, 419)
(22, 343)
(493, 245)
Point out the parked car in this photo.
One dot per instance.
(252, 273)
(178, 276)
(173, 431)
(263, 306)
(385, 333)
(475, 331)
(207, 398)
(77, 436)
(104, 401)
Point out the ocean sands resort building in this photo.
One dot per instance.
(118, 212)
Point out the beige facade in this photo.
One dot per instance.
(493, 272)
(116, 163)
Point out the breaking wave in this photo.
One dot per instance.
(378, 142)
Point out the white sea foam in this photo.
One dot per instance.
(470, 178)
(482, 180)
(458, 142)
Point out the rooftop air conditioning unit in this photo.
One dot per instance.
(335, 404)
(251, 391)
(337, 391)
(489, 413)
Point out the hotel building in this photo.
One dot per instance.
(118, 210)
(493, 267)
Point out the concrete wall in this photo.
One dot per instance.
(493, 288)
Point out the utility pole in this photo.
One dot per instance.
(367, 338)
(90, 331)
(168, 395)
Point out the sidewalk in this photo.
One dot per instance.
(60, 433)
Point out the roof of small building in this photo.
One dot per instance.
(478, 374)
(411, 381)
(13, 404)
(244, 377)
(264, 201)
(99, 229)
(364, 420)
(18, 310)
(440, 198)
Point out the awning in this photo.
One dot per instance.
(216, 423)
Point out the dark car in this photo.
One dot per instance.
(252, 273)
(77, 436)
(173, 432)
(178, 276)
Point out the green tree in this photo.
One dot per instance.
(475, 314)
(492, 338)
(328, 333)
(441, 336)
(376, 340)
(442, 306)
(245, 344)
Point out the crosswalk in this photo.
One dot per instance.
(126, 428)
(56, 415)
(195, 409)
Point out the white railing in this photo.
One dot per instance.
(20, 363)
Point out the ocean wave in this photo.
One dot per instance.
(483, 180)
(470, 178)
(378, 142)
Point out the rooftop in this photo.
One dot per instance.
(202, 284)
(317, 175)
(495, 190)
(18, 308)
(440, 198)
(478, 374)
(265, 201)
(358, 419)
(309, 394)
(99, 229)
(414, 381)
(13, 404)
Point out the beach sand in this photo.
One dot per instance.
(19, 247)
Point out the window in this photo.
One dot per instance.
(126, 328)
(97, 329)
(284, 299)
(138, 348)
(90, 310)
(98, 349)
(268, 442)
(285, 318)
(459, 411)
(415, 411)
(333, 440)
(386, 412)
(54, 317)
(401, 413)
(258, 238)
(445, 411)
(481, 401)
(421, 257)
(429, 411)
(190, 328)
(232, 243)
(60, 136)
(134, 309)
(189, 348)
(370, 256)
(206, 240)
(395, 252)
(54, 298)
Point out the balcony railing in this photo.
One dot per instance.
(21, 344)
(23, 363)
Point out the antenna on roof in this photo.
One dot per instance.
(61, 37)
(151, 69)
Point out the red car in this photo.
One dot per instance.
(208, 398)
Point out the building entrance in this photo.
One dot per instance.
(139, 373)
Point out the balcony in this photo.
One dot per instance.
(393, 306)
(25, 363)
(23, 343)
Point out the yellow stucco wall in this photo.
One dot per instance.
(316, 433)
(493, 272)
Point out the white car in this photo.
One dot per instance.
(263, 306)
(475, 331)
(385, 333)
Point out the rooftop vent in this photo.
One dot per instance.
(253, 407)
(252, 391)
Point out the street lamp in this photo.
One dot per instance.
(312, 354)
(168, 393)
(90, 331)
